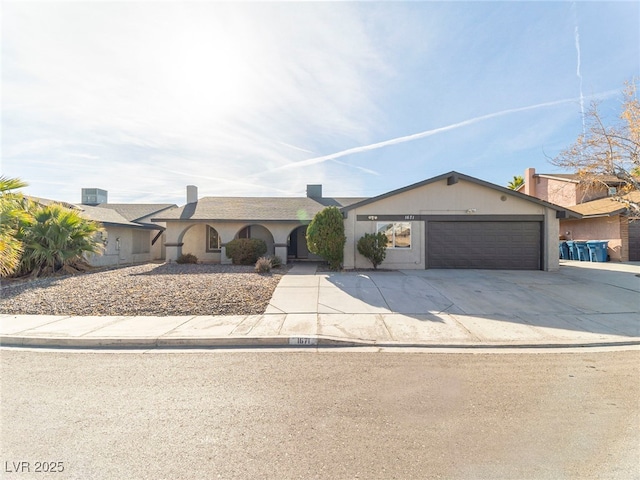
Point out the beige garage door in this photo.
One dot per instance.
(485, 245)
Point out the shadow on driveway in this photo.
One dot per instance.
(566, 303)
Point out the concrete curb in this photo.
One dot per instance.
(275, 342)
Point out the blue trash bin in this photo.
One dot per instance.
(597, 250)
(564, 251)
(583, 251)
(573, 250)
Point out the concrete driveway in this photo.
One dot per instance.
(581, 303)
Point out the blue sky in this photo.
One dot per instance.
(261, 99)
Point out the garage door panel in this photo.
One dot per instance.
(484, 245)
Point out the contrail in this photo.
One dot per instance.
(416, 136)
(576, 34)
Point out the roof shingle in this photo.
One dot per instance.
(253, 208)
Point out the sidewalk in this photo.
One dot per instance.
(582, 305)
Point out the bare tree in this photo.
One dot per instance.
(607, 150)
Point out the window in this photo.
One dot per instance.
(213, 240)
(398, 233)
(245, 232)
(141, 242)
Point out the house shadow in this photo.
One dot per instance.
(569, 304)
(206, 268)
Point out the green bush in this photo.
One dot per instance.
(57, 238)
(263, 265)
(246, 251)
(374, 247)
(187, 258)
(325, 236)
(276, 261)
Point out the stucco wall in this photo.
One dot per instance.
(157, 249)
(195, 243)
(586, 193)
(119, 247)
(556, 192)
(193, 236)
(438, 198)
(602, 228)
(567, 194)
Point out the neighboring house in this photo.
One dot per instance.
(129, 234)
(449, 221)
(601, 216)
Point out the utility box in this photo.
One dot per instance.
(93, 196)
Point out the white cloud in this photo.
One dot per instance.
(232, 85)
(141, 98)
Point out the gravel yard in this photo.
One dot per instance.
(150, 289)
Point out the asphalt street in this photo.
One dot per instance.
(323, 414)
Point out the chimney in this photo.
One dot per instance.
(530, 182)
(314, 191)
(192, 194)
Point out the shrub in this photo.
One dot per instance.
(276, 261)
(246, 251)
(263, 265)
(57, 238)
(374, 247)
(187, 258)
(325, 236)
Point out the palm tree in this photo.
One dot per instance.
(13, 218)
(516, 183)
(58, 237)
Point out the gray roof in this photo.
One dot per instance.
(48, 201)
(135, 211)
(110, 217)
(252, 209)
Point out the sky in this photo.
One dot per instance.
(262, 98)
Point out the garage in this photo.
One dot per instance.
(454, 221)
(511, 245)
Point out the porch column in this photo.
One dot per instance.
(281, 251)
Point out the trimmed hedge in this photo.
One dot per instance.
(325, 236)
(246, 251)
(374, 247)
(187, 258)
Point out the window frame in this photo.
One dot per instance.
(210, 229)
(392, 244)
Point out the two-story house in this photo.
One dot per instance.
(604, 217)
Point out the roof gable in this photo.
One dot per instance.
(452, 178)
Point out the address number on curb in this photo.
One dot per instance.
(303, 341)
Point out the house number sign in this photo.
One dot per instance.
(390, 218)
(303, 341)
